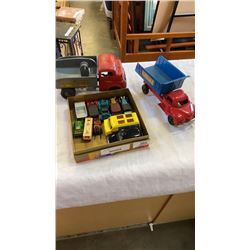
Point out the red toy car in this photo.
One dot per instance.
(97, 126)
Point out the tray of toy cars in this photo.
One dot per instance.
(105, 123)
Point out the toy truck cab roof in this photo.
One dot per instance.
(177, 98)
(108, 63)
(111, 72)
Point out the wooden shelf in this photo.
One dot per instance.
(129, 43)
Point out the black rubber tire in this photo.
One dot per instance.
(65, 93)
(145, 89)
(171, 120)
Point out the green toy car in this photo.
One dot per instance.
(78, 128)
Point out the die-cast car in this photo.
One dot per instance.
(93, 108)
(103, 107)
(78, 128)
(125, 105)
(113, 123)
(125, 133)
(115, 106)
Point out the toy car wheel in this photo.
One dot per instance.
(145, 89)
(171, 120)
(65, 93)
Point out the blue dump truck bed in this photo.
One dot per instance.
(163, 77)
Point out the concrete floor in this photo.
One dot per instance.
(95, 30)
(170, 236)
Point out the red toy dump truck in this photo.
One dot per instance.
(165, 82)
(103, 73)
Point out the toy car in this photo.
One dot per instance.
(78, 128)
(115, 106)
(93, 108)
(165, 82)
(125, 133)
(88, 129)
(103, 106)
(80, 110)
(113, 123)
(124, 104)
(97, 126)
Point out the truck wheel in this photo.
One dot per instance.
(65, 93)
(145, 89)
(171, 120)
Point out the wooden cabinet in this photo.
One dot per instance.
(179, 207)
(161, 209)
(78, 220)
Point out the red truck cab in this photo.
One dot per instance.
(178, 106)
(111, 73)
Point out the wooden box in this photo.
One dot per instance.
(69, 14)
(98, 146)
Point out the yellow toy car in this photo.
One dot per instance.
(113, 123)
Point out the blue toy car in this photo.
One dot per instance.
(103, 106)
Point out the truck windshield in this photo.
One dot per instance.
(181, 103)
(106, 73)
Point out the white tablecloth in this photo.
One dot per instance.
(166, 167)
